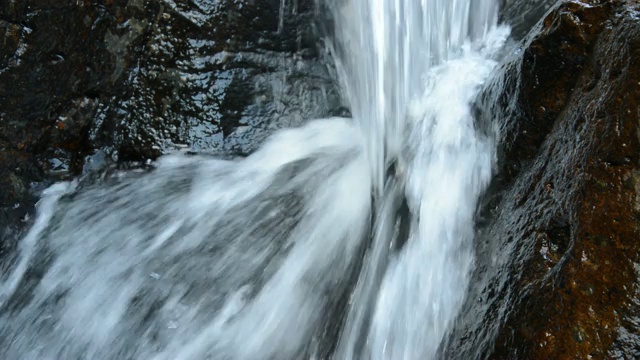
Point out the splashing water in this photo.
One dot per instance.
(247, 259)
(412, 84)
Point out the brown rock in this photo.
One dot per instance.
(558, 272)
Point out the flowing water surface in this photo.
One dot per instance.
(207, 258)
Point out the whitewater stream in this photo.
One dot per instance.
(346, 237)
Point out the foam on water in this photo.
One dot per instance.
(246, 259)
(411, 70)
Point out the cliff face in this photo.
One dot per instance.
(559, 253)
(84, 84)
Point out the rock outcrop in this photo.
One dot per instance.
(86, 83)
(559, 256)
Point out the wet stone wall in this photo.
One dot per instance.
(84, 84)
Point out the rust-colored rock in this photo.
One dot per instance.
(581, 85)
(558, 274)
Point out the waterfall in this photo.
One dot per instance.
(206, 258)
(411, 70)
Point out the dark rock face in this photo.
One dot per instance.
(44, 73)
(559, 259)
(523, 14)
(128, 80)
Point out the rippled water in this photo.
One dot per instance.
(253, 258)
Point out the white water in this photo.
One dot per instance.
(412, 84)
(248, 259)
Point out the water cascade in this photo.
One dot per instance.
(206, 258)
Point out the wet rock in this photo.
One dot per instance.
(215, 77)
(51, 62)
(522, 15)
(129, 80)
(558, 274)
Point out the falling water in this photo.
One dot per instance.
(411, 81)
(245, 259)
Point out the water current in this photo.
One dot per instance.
(205, 258)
